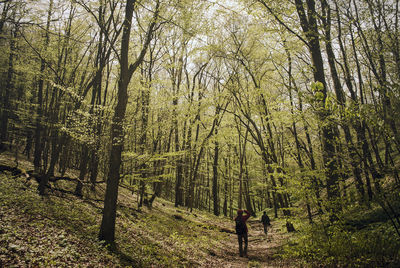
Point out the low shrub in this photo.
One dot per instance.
(338, 245)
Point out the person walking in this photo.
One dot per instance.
(241, 231)
(266, 222)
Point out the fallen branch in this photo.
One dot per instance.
(14, 170)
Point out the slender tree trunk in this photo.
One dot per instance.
(354, 161)
(107, 228)
(247, 197)
(8, 89)
(38, 130)
(179, 182)
(215, 177)
(241, 155)
(360, 126)
(310, 29)
(179, 170)
(82, 170)
(56, 145)
(4, 14)
(145, 98)
(226, 184)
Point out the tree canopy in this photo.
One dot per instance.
(286, 106)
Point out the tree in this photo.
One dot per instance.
(107, 228)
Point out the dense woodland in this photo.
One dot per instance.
(287, 106)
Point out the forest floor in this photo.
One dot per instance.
(262, 249)
(60, 230)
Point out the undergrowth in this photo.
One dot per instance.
(357, 239)
(61, 230)
(46, 232)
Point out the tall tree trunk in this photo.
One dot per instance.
(179, 169)
(246, 185)
(179, 182)
(145, 99)
(197, 160)
(381, 75)
(215, 177)
(241, 152)
(56, 145)
(4, 14)
(38, 130)
(107, 228)
(82, 170)
(226, 183)
(8, 89)
(354, 161)
(310, 28)
(360, 126)
(299, 158)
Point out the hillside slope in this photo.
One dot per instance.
(60, 230)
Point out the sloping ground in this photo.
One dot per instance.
(262, 249)
(36, 232)
(61, 231)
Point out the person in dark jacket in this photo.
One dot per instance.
(241, 231)
(266, 222)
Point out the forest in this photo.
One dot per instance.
(203, 107)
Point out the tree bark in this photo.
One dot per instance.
(215, 177)
(354, 161)
(38, 130)
(310, 29)
(107, 228)
(8, 89)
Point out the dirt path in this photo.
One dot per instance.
(261, 249)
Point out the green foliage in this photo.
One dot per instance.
(340, 244)
(317, 86)
(254, 264)
(255, 65)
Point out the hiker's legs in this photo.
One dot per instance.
(265, 229)
(240, 240)
(245, 243)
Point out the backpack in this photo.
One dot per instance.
(240, 226)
